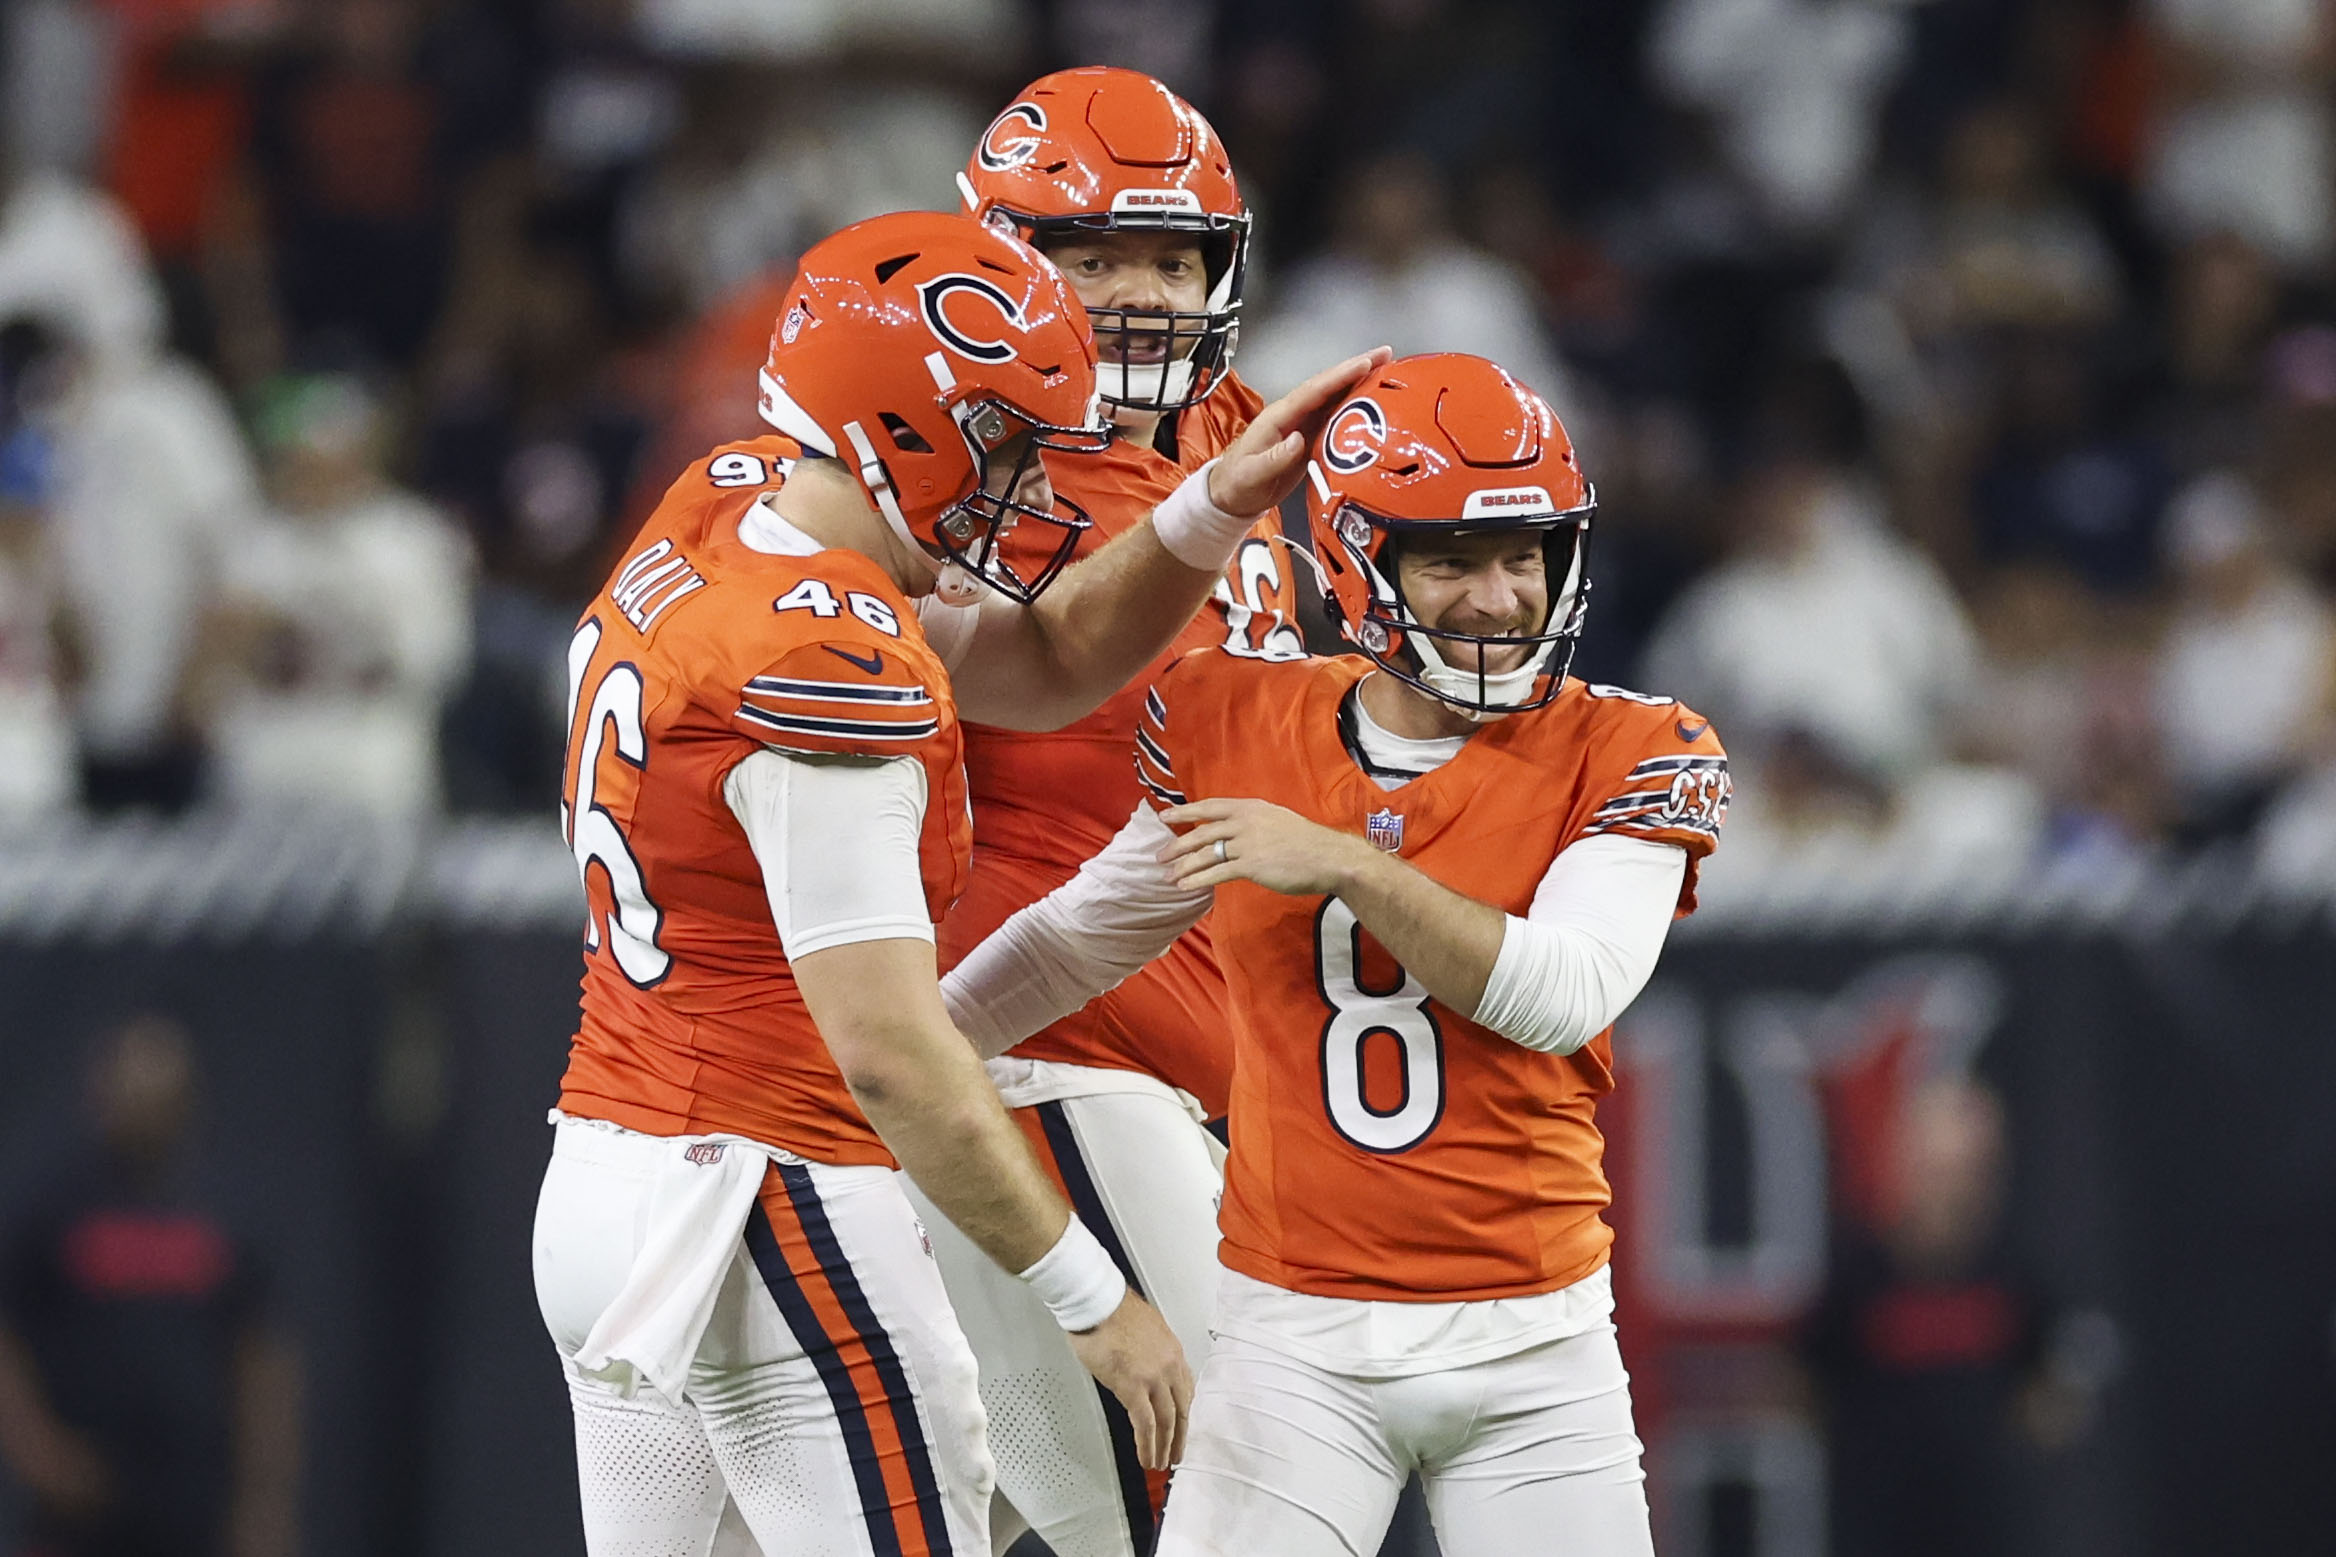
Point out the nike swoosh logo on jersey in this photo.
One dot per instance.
(1691, 732)
(873, 664)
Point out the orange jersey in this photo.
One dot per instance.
(1386, 1146)
(700, 652)
(1045, 802)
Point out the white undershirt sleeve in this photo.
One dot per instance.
(837, 839)
(1120, 911)
(1588, 944)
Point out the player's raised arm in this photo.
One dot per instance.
(1103, 620)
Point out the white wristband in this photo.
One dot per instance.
(1076, 1280)
(1195, 530)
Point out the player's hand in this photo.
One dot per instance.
(1265, 843)
(1138, 1358)
(1265, 463)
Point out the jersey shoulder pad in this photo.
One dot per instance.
(748, 464)
(1660, 770)
(845, 694)
(1118, 486)
(1215, 700)
(1188, 683)
(744, 469)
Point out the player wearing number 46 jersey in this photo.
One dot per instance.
(766, 798)
(1439, 871)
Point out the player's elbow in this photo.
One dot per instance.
(892, 1062)
(873, 1062)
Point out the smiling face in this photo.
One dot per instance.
(1495, 585)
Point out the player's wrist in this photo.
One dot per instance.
(1077, 1280)
(1195, 530)
(1357, 869)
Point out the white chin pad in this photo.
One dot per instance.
(1143, 384)
(1499, 692)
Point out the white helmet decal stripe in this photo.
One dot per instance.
(784, 412)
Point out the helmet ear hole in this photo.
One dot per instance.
(904, 437)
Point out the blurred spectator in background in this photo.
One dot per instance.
(1822, 628)
(2246, 674)
(150, 483)
(1929, 1347)
(2205, 389)
(384, 152)
(145, 1402)
(2063, 697)
(530, 439)
(2240, 141)
(2063, 481)
(2002, 244)
(344, 618)
(71, 254)
(1396, 272)
(36, 738)
(1794, 89)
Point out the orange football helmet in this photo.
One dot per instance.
(919, 348)
(1448, 444)
(1104, 150)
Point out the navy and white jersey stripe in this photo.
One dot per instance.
(1155, 769)
(834, 729)
(835, 691)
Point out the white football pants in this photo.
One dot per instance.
(1144, 1176)
(1522, 1456)
(831, 1408)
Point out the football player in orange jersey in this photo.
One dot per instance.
(1127, 189)
(766, 800)
(1439, 871)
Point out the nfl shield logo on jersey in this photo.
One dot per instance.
(705, 1153)
(1385, 829)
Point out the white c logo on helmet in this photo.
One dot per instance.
(1352, 441)
(933, 297)
(998, 154)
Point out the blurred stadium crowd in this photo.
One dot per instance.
(1959, 377)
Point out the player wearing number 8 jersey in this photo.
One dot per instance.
(766, 798)
(1127, 189)
(1439, 872)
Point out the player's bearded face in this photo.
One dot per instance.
(1143, 273)
(1494, 586)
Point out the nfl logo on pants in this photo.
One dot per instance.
(1385, 829)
